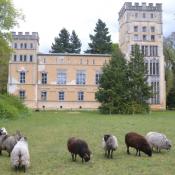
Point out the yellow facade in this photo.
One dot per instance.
(53, 81)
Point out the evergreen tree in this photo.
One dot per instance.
(113, 89)
(61, 44)
(101, 40)
(138, 86)
(75, 44)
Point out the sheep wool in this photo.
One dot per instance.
(20, 157)
(110, 144)
(7, 142)
(158, 140)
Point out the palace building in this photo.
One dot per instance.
(141, 24)
(53, 81)
(69, 81)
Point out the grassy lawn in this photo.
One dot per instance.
(48, 132)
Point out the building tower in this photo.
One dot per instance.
(22, 79)
(142, 25)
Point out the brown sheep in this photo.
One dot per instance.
(80, 147)
(138, 142)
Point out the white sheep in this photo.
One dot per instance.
(110, 144)
(158, 141)
(20, 157)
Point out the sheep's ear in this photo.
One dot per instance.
(25, 138)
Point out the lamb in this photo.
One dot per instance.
(110, 144)
(7, 142)
(158, 141)
(138, 142)
(3, 131)
(77, 146)
(20, 157)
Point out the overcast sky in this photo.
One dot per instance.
(48, 17)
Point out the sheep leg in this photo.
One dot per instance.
(24, 168)
(139, 153)
(128, 150)
(72, 157)
(108, 154)
(16, 168)
(75, 157)
(158, 150)
(111, 153)
(105, 153)
(136, 152)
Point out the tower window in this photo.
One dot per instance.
(144, 15)
(152, 37)
(152, 29)
(135, 28)
(14, 58)
(144, 29)
(21, 45)
(144, 37)
(15, 45)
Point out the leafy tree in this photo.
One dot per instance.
(9, 17)
(101, 40)
(138, 86)
(61, 44)
(75, 43)
(112, 92)
(169, 55)
(171, 98)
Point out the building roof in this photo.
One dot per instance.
(73, 54)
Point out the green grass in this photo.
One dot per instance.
(48, 132)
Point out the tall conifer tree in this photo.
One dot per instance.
(101, 40)
(139, 89)
(113, 89)
(75, 43)
(61, 44)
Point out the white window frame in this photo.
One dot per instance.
(43, 95)
(22, 77)
(61, 95)
(61, 77)
(80, 96)
(81, 77)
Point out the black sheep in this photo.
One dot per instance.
(138, 142)
(80, 147)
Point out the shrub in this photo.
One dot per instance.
(11, 107)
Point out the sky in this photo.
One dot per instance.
(48, 17)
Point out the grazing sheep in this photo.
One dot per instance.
(3, 131)
(20, 157)
(7, 142)
(110, 144)
(158, 141)
(138, 142)
(80, 147)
